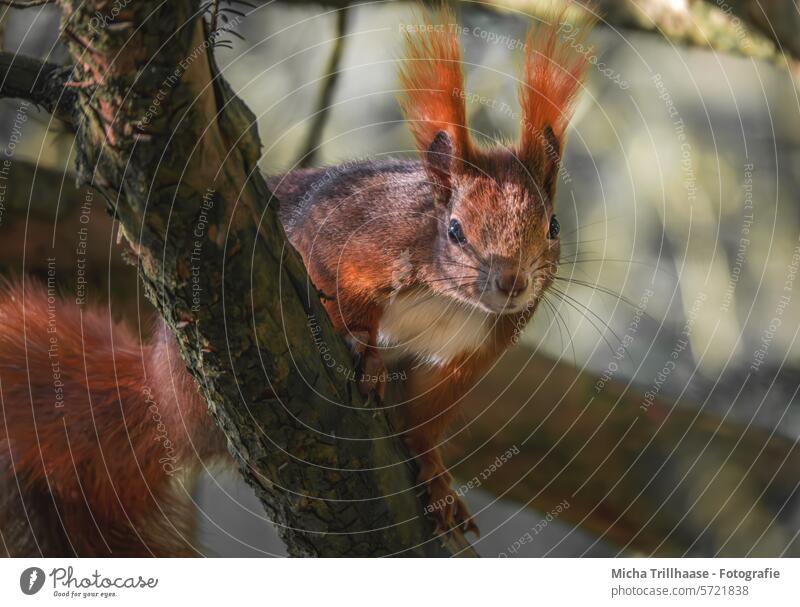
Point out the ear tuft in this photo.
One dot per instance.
(555, 64)
(434, 84)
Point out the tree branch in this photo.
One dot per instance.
(320, 119)
(762, 29)
(648, 476)
(38, 82)
(25, 3)
(163, 137)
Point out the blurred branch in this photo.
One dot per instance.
(762, 29)
(42, 83)
(43, 220)
(36, 191)
(659, 478)
(25, 3)
(314, 135)
(3, 25)
(778, 20)
(729, 27)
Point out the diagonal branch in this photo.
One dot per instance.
(314, 135)
(175, 153)
(762, 29)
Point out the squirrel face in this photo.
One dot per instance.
(497, 247)
(498, 242)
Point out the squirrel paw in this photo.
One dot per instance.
(371, 376)
(371, 373)
(447, 508)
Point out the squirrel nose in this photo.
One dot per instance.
(511, 283)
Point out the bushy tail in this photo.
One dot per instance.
(99, 434)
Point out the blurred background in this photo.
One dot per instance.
(655, 410)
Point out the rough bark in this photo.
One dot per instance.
(175, 152)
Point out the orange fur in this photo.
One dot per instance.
(377, 221)
(434, 84)
(433, 400)
(552, 76)
(92, 474)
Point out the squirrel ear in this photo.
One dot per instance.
(439, 162)
(434, 98)
(552, 78)
(552, 161)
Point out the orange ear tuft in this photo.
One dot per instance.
(434, 84)
(555, 63)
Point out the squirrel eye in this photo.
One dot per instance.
(555, 228)
(456, 232)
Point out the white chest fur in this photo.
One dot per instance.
(431, 328)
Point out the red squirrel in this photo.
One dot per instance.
(431, 265)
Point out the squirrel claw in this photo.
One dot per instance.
(470, 526)
(371, 376)
(447, 508)
(371, 398)
(375, 399)
(324, 297)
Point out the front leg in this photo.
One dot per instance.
(358, 324)
(444, 504)
(371, 373)
(432, 403)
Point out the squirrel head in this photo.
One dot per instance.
(498, 243)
